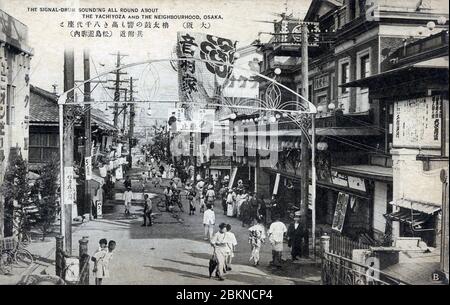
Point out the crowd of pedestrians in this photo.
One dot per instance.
(261, 215)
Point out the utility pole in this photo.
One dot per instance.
(124, 110)
(117, 87)
(131, 130)
(67, 151)
(87, 126)
(304, 165)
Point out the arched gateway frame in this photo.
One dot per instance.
(303, 107)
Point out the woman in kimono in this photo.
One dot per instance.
(256, 238)
(218, 242)
(230, 203)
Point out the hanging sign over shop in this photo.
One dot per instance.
(339, 213)
(199, 80)
(277, 183)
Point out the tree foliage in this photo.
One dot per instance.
(46, 195)
(16, 191)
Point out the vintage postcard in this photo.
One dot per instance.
(224, 142)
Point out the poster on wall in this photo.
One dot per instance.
(339, 213)
(417, 122)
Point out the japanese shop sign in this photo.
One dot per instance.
(88, 167)
(321, 82)
(348, 181)
(339, 213)
(2, 102)
(70, 187)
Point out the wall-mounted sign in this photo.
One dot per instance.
(220, 161)
(418, 122)
(339, 213)
(348, 181)
(321, 82)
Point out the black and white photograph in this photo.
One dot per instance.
(224, 143)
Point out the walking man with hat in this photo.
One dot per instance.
(295, 234)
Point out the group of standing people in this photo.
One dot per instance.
(101, 258)
(224, 245)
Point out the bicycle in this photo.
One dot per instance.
(19, 255)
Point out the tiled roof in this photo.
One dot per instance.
(43, 106)
(44, 110)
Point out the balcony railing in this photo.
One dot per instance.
(338, 270)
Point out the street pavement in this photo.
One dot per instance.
(172, 251)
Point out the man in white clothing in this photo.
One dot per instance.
(218, 242)
(230, 240)
(209, 219)
(276, 236)
(127, 197)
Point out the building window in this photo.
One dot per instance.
(364, 65)
(345, 75)
(10, 105)
(43, 146)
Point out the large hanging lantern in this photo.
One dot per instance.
(322, 146)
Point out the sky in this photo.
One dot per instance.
(242, 20)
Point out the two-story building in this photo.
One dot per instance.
(15, 60)
(349, 40)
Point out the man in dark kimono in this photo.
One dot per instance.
(295, 235)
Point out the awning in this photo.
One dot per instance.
(414, 219)
(102, 124)
(423, 207)
(415, 71)
(373, 172)
(329, 131)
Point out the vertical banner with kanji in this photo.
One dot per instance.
(69, 185)
(199, 81)
(88, 167)
(341, 210)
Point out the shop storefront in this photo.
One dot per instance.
(416, 219)
(353, 201)
(219, 167)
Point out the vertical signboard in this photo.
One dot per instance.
(88, 167)
(69, 185)
(2, 105)
(199, 81)
(339, 213)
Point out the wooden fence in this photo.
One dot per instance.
(343, 246)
